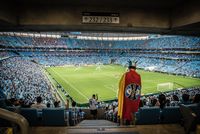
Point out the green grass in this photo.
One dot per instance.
(82, 82)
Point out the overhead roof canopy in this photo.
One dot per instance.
(135, 16)
(109, 3)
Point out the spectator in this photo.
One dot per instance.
(129, 95)
(39, 104)
(185, 99)
(93, 106)
(48, 105)
(175, 101)
(155, 102)
(57, 104)
(67, 104)
(73, 103)
(162, 100)
(196, 98)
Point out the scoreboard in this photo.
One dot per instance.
(100, 18)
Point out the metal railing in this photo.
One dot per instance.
(15, 118)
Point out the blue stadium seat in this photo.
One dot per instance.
(170, 115)
(53, 117)
(189, 120)
(150, 115)
(196, 109)
(31, 115)
(12, 109)
(67, 117)
(3, 103)
(137, 117)
(72, 118)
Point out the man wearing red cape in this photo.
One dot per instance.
(129, 94)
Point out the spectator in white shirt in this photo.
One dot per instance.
(93, 105)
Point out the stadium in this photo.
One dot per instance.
(52, 66)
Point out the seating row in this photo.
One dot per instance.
(50, 116)
(155, 115)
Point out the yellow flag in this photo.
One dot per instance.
(9, 131)
(121, 96)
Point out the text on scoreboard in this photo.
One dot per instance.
(100, 18)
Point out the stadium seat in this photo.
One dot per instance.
(72, 118)
(149, 115)
(137, 117)
(196, 109)
(82, 115)
(100, 113)
(53, 117)
(87, 113)
(170, 115)
(31, 115)
(2, 103)
(67, 117)
(12, 109)
(189, 119)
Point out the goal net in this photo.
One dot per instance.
(165, 86)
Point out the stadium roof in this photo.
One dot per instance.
(127, 3)
(136, 16)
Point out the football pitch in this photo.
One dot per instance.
(84, 81)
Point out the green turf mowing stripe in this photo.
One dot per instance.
(82, 82)
(72, 86)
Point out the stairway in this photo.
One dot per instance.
(96, 123)
(99, 127)
(106, 127)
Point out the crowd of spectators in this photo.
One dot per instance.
(22, 79)
(169, 54)
(174, 42)
(172, 66)
(166, 65)
(151, 43)
(172, 98)
(42, 42)
(166, 99)
(5, 54)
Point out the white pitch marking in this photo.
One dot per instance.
(71, 85)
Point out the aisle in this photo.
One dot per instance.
(97, 123)
(106, 127)
(99, 127)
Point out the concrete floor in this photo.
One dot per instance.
(105, 127)
(141, 129)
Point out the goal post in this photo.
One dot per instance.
(162, 87)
